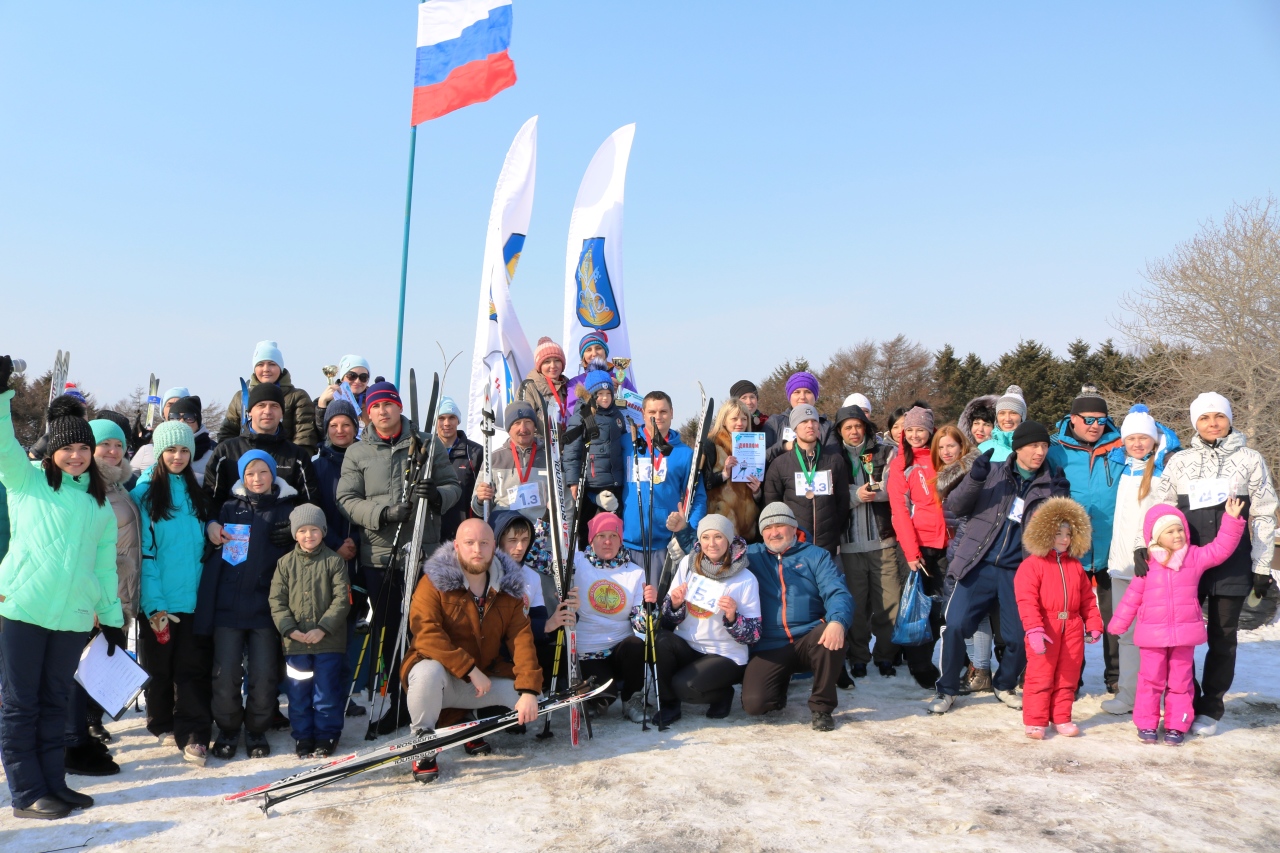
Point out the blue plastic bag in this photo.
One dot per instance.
(913, 628)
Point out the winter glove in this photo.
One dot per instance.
(606, 501)
(1094, 636)
(1036, 640)
(1140, 562)
(397, 514)
(281, 535)
(6, 372)
(115, 638)
(981, 468)
(1261, 583)
(426, 490)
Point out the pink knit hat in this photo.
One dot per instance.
(602, 522)
(918, 416)
(547, 348)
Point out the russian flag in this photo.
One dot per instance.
(462, 55)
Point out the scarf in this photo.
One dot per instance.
(1172, 562)
(538, 557)
(736, 562)
(623, 557)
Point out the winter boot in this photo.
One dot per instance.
(426, 770)
(1035, 732)
(719, 710)
(96, 729)
(886, 669)
(75, 799)
(668, 715)
(822, 721)
(90, 759)
(1204, 726)
(843, 681)
(255, 743)
(479, 746)
(1117, 706)
(1067, 729)
(196, 753)
(926, 678)
(941, 703)
(325, 747)
(304, 748)
(225, 746)
(45, 808)
(1172, 738)
(1148, 735)
(979, 680)
(354, 709)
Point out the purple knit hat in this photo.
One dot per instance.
(918, 416)
(802, 379)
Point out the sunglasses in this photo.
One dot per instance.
(1091, 421)
(190, 419)
(356, 377)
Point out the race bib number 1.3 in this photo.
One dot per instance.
(524, 496)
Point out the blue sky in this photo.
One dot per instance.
(182, 180)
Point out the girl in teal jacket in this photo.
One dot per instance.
(174, 511)
(57, 579)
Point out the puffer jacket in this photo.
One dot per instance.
(299, 423)
(871, 523)
(917, 513)
(172, 549)
(4, 523)
(467, 459)
(506, 467)
(1001, 442)
(309, 590)
(128, 537)
(60, 571)
(1052, 590)
(328, 465)
(1231, 459)
(239, 596)
(603, 457)
(825, 517)
(293, 465)
(800, 589)
(1094, 481)
(373, 479)
(1126, 529)
(666, 495)
(985, 504)
(1165, 601)
(576, 389)
(447, 627)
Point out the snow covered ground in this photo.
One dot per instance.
(889, 778)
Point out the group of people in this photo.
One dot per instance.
(267, 560)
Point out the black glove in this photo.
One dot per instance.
(1261, 583)
(426, 490)
(981, 467)
(281, 535)
(397, 514)
(115, 639)
(1140, 562)
(6, 372)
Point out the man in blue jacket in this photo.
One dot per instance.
(801, 590)
(671, 462)
(1080, 447)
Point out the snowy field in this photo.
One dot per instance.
(890, 777)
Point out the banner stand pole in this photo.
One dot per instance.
(404, 252)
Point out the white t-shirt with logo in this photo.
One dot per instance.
(532, 590)
(703, 630)
(606, 601)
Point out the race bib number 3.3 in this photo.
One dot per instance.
(1206, 493)
(821, 484)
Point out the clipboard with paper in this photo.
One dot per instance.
(113, 681)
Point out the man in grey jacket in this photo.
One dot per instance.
(519, 474)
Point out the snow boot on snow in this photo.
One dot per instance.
(822, 721)
(325, 747)
(256, 745)
(1148, 735)
(225, 746)
(426, 770)
(304, 748)
(90, 759)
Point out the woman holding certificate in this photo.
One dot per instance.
(731, 472)
(56, 582)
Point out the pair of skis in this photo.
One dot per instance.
(58, 379)
(422, 745)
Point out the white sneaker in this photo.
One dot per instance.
(1010, 698)
(634, 709)
(1204, 727)
(1116, 706)
(941, 703)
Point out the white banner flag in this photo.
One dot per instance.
(502, 357)
(593, 264)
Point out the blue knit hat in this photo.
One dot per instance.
(380, 392)
(104, 430)
(347, 362)
(340, 408)
(448, 407)
(175, 391)
(267, 351)
(173, 434)
(597, 380)
(252, 455)
(592, 338)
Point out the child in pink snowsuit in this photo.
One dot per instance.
(1166, 603)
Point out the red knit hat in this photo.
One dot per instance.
(546, 349)
(602, 522)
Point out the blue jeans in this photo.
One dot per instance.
(36, 673)
(985, 584)
(316, 704)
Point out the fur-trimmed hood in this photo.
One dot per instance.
(1043, 528)
(446, 572)
(965, 421)
(285, 491)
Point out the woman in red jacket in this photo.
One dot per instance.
(919, 524)
(1057, 607)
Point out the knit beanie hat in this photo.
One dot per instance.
(918, 416)
(1012, 401)
(1029, 432)
(546, 349)
(718, 523)
(802, 379)
(265, 392)
(74, 393)
(1208, 403)
(592, 338)
(307, 515)
(252, 455)
(348, 362)
(67, 425)
(340, 408)
(855, 412)
(173, 434)
(743, 386)
(381, 392)
(1139, 422)
(803, 412)
(447, 406)
(1088, 400)
(777, 513)
(518, 410)
(601, 522)
(188, 406)
(1160, 525)
(105, 430)
(267, 351)
(597, 380)
(126, 427)
(859, 400)
(174, 392)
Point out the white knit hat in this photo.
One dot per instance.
(1162, 524)
(1210, 401)
(1139, 422)
(859, 400)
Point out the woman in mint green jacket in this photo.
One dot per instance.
(57, 580)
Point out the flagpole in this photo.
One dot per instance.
(404, 251)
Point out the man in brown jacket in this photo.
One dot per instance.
(466, 609)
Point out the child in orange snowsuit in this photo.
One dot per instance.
(1056, 603)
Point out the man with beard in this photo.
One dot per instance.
(472, 642)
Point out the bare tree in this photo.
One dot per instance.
(891, 373)
(1208, 319)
